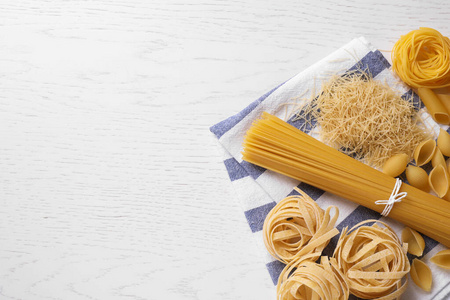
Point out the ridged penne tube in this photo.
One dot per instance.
(435, 108)
(297, 226)
(438, 159)
(415, 241)
(438, 180)
(443, 142)
(417, 177)
(424, 152)
(442, 259)
(395, 165)
(421, 274)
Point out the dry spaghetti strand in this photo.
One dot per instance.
(422, 58)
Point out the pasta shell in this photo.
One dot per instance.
(443, 142)
(395, 165)
(415, 241)
(424, 152)
(442, 259)
(438, 159)
(418, 178)
(438, 180)
(421, 274)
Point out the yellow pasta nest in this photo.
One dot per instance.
(297, 227)
(421, 58)
(372, 260)
(366, 119)
(303, 279)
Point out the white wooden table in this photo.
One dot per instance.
(111, 185)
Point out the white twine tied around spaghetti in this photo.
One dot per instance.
(395, 197)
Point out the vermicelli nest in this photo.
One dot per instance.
(373, 261)
(366, 119)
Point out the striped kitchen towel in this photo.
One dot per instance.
(259, 190)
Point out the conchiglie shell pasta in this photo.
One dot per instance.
(424, 152)
(421, 275)
(417, 177)
(442, 259)
(438, 180)
(438, 159)
(415, 241)
(395, 165)
(443, 142)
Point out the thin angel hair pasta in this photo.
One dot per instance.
(365, 118)
(421, 58)
(304, 279)
(373, 260)
(297, 226)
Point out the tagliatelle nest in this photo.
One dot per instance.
(365, 118)
(373, 261)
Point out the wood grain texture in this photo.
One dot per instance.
(111, 183)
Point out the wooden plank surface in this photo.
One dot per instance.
(111, 185)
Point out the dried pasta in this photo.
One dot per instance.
(421, 58)
(373, 260)
(434, 106)
(438, 180)
(421, 274)
(274, 144)
(438, 159)
(417, 177)
(415, 241)
(297, 226)
(303, 279)
(424, 152)
(442, 259)
(443, 142)
(365, 118)
(395, 165)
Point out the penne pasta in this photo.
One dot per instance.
(435, 108)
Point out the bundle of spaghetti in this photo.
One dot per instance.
(422, 58)
(303, 279)
(274, 144)
(373, 261)
(297, 226)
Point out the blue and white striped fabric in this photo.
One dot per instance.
(259, 190)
